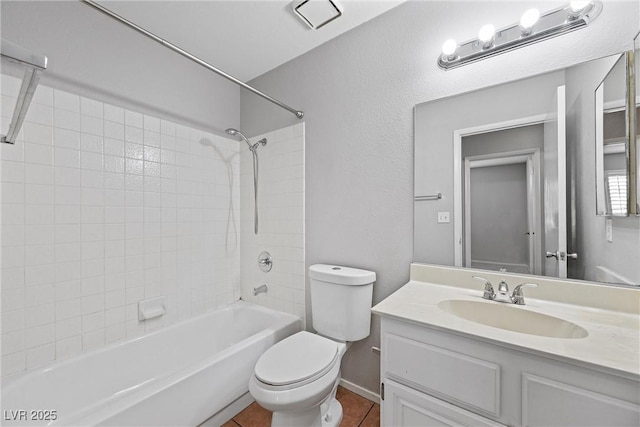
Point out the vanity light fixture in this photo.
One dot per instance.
(487, 36)
(577, 7)
(533, 27)
(449, 49)
(528, 20)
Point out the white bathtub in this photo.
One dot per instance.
(178, 376)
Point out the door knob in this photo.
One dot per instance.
(555, 255)
(559, 255)
(572, 256)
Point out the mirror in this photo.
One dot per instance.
(518, 193)
(612, 168)
(635, 142)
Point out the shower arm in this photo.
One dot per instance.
(299, 114)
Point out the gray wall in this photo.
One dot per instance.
(590, 241)
(358, 92)
(95, 56)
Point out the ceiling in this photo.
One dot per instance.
(242, 38)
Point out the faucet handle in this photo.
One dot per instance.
(518, 297)
(489, 293)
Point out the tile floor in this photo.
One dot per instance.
(358, 412)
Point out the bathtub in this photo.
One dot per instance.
(180, 375)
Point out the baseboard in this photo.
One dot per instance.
(361, 391)
(229, 411)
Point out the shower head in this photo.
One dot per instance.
(234, 132)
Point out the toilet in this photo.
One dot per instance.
(297, 377)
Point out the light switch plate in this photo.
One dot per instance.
(443, 217)
(609, 229)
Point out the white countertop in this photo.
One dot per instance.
(613, 343)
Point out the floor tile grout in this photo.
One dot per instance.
(373, 405)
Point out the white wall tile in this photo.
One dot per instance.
(281, 225)
(11, 171)
(12, 321)
(93, 207)
(151, 123)
(38, 153)
(41, 114)
(14, 152)
(13, 363)
(66, 101)
(113, 113)
(91, 142)
(132, 118)
(38, 174)
(39, 235)
(40, 315)
(37, 356)
(37, 133)
(91, 125)
(66, 120)
(91, 107)
(64, 138)
(68, 347)
(40, 335)
(13, 342)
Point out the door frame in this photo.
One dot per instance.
(531, 158)
(458, 134)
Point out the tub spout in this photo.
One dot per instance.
(262, 289)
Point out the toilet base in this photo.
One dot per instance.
(327, 414)
(333, 416)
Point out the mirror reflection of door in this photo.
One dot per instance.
(515, 196)
(502, 187)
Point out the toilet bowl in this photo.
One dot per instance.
(297, 378)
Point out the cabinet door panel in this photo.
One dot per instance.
(547, 402)
(445, 373)
(404, 406)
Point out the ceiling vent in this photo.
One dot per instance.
(317, 13)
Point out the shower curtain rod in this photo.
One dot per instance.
(299, 114)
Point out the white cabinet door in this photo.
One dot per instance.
(403, 406)
(548, 402)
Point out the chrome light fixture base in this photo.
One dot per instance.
(550, 24)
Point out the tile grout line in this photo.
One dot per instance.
(367, 414)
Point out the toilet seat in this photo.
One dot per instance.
(297, 360)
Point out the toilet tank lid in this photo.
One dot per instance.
(341, 275)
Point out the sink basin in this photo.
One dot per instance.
(516, 319)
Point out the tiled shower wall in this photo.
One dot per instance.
(281, 220)
(103, 207)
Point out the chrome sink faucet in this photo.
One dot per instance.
(517, 297)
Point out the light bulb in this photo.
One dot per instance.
(449, 48)
(486, 35)
(528, 20)
(577, 6)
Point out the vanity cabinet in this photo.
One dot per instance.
(432, 377)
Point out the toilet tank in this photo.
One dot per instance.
(341, 301)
